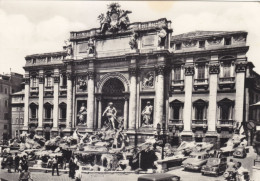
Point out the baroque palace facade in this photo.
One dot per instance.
(195, 82)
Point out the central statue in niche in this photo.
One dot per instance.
(110, 113)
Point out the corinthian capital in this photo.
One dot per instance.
(160, 69)
(91, 74)
(133, 70)
(189, 70)
(241, 67)
(213, 68)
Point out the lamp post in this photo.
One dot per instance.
(161, 137)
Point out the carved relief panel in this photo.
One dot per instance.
(148, 80)
(81, 83)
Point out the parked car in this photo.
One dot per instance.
(240, 152)
(195, 161)
(159, 177)
(214, 166)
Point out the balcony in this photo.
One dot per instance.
(201, 84)
(48, 91)
(34, 91)
(63, 90)
(225, 124)
(48, 121)
(226, 82)
(33, 121)
(177, 123)
(62, 121)
(199, 123)
(177, 85)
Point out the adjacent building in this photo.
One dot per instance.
(9, 83)
(195, 85)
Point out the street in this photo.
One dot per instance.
(185, 175)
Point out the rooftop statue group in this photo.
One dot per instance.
(115, 19)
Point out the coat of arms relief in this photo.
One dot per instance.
(115, 19)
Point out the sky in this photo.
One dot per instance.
(29, 27)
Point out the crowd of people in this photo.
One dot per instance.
(20, 164)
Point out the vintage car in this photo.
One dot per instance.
(214, 166)
(195, 161)
(240, 152)
(159, 177)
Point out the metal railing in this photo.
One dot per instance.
(227, 79)
(200, 81)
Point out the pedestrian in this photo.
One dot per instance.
(16, 162)
(25, 176)
(9, 162)
(72, 168)
(50, 162)
(78, 175)
(55, 165)
(24, 163)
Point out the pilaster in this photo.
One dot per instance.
(56, 78)
(189, 72)
(69, 101)
(91, 100)
(240, 89)
(213, 87)
(133, 93)
(40, 111)
(26, 101)
(159, 95)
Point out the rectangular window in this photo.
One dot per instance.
(5, 126)
(227, 41)
(33, 112)
(6, 116)
(6, 91)
(64, 80)
(34, 61)
(199, 112)
(48, 82)
(201, 44)
(1, 87)
(201, 71)
(224, 112)
(6, 103)
(176, 112)
(178, 46)
(48, 59)
(47, 112)
(63, 112)
(226, 69)
(177, 73)
(34, 82)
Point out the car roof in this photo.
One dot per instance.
(198, 153)
(157, 176)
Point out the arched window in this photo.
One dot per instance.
(63, 110)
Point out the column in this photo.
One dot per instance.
(56, 100)
(240, 89)
(189, 72)
(41, 89)
(125, 113)
(132, 99)
(91, 103)
(69, 102)
(26, 102)
(159, 96)
(99, 113)
(213, 87)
